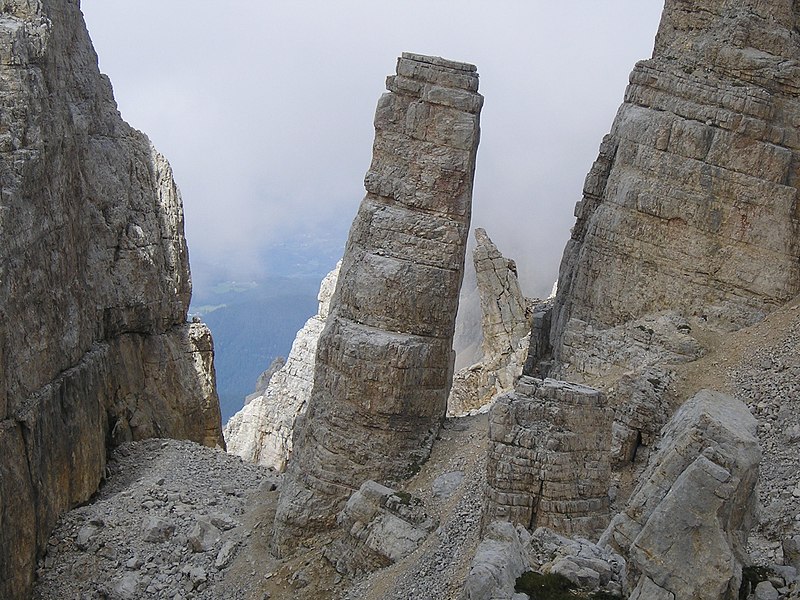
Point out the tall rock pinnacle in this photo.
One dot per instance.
(692, 205)
(385, 361)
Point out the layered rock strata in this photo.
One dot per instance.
(94, 285)
(694, 505)
(691, 205)
(385, 361)
(505, 326)
(262, 431)
(549, 457)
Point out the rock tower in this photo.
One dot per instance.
(549, 457)
(506, 318)
(692, 203)
(384, 361)
(94, 285)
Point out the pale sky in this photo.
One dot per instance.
(264, 108)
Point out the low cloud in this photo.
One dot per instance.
(265, 109)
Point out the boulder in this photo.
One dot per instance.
(381, 526)
(500, 559)
(694, 504)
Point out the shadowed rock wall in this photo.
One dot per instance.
(94, 285)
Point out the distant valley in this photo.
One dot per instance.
(253, 322)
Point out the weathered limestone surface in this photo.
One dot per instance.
(380, 526)
(505, 324)
(262, 431)
(94, 285)
(503, 555)
(384, 361)
(549, 457)
(692, 203)
(694, 505)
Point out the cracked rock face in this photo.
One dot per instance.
(94, 285)
(262, 431)
(694, 505)
(691, 205)
(385, 361)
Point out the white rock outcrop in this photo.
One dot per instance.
(262, 431)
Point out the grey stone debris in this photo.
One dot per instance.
(587, 565)
(203, 537)
(262, 431)
(791, 551)
(162, 500)
(447, 483)
(765, 591)
(694, 505)
(506, 316)
(157, 529)
(94, 285)
(384, 361)
(381, 526)
(549, 457)
(88, 533)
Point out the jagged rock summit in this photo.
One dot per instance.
(385, 360)
(94, 285)
(506, 316)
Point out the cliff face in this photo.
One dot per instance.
(384, 360)
(691, 206)
(94, 284)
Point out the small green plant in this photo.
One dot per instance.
(413, 468)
